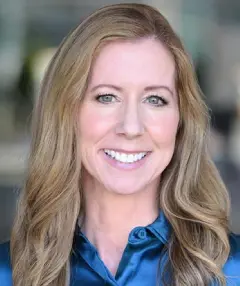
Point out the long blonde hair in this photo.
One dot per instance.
(192, 195)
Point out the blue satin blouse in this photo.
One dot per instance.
(139, 265)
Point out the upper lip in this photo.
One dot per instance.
(127, 151)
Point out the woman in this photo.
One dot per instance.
(120, 187)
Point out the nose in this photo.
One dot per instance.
(130, 123)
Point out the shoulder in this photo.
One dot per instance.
(5, 265)
(232, 267)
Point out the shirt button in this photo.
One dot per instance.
(138, 235)
(142, 233)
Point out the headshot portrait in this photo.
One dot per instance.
(120, 187)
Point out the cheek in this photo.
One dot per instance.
(163, 128)
(90, 132)
(93, 125)
(89, 126)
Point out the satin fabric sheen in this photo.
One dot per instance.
(142, 262)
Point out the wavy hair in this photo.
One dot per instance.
(192, 194)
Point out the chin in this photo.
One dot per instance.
(125, 189)
(126, 192)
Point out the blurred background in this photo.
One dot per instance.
(30, 31)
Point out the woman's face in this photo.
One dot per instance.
(129, 117)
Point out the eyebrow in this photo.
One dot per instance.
(154, 87)
(147, 88)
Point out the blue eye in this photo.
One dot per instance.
(156, 100)
(106, 98)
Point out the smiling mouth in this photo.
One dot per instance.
(125, 157)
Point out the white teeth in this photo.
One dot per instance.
(125, 158)
(117, 156)
(112, 153)
(138, 156)
(130, 158)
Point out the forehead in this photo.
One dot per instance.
(144, 61)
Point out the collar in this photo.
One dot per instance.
(161, 228)
(155, 234)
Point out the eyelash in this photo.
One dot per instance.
(99, 96)
(159, 98)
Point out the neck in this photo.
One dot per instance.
(110, 217)
(118, 214)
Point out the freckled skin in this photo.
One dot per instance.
(130, 122)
